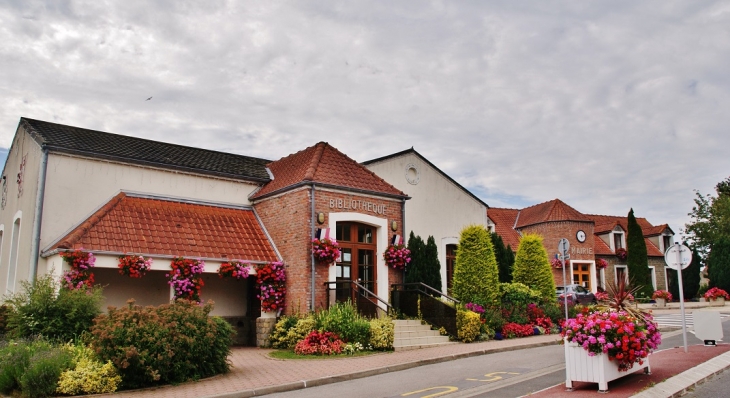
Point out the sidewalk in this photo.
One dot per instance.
(254, 373)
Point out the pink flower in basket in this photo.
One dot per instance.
(397, 256)
(716, 293)
(325, 250)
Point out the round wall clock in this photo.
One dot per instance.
(412, 174)
(581, 236)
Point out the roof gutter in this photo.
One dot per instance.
(330, 186)
(40, 195)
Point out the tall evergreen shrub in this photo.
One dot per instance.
(718, 263)
(690, 278)
(638, 260)
(431, 265)
(414, 270)
(476, 277)
(532, 267)
(505, 258)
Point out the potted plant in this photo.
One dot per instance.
(326, 250)
(186, 278)
(80, 275)
(271, 283)
(716, 297)
(134, 266)
(601, 263)
(661, 297)
(397, 256)
(235, 269)
(621, 253)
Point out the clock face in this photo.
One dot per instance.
(581, 236)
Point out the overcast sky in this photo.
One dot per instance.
(606, 105)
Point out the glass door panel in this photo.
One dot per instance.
(366, 269)
(344, 273)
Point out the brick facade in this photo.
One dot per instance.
(289, 222)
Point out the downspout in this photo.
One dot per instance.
(311, 255)
(403, 225)
(34, 248)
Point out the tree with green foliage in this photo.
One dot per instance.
(431, 265)
(532, 267)
(710, 218)
(690, 278)
(414, 270)
(637, 261)
(505, 258)
(476, 277)
(717, 263)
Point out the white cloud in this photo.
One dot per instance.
(607, 106)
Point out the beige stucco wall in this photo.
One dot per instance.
(437, 206)
(22, 207)
(68, 201)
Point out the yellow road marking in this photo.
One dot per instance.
(449, 389)
(493, 376)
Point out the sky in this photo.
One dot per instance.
(606, 105)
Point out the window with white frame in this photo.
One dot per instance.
(13, 263)
(653, 276)
(620, 271)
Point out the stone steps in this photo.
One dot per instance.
(411, 334)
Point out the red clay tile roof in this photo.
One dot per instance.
(600, 248)
(652, 250)
(323, 164)
(152, 226)
(504, 221)
(554, 210)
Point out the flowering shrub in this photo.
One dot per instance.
(601, 263)
(546, 323)
(474, 308)
(556, 263)
(621, 336)
(716, 293)
(320, 343)
(602, 296)
(325, 250)
(88, 375)
(512, 330)
(663, 294)
(186, 278)
(468, 326)
(621, 253)
(382, 333)
(397, 256)
(134, 266)
(80, 275)
(234, 269)
(271, 282)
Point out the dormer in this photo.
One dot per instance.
(617, 238)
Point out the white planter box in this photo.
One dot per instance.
(579, 366)
(718, 302)
(660, 302)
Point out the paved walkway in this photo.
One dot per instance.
(254, 373)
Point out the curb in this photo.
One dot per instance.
(371, 372)
(678, 385)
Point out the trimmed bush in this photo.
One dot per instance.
(504, 256)
(45, 367)
(382, 333)
(468, 325)
(637, 261)
(532, 267)
(88, 375)
(476, 277)
(344, 320)
(44, 308)
(290, 330)
(171, 343)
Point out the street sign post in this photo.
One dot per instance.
(679, 257)
(563, 247)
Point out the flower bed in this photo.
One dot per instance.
(624, 338)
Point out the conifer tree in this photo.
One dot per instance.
(415, 269)
(717, 263)
(505, 258)
(476, 277)
(431, 265)
(637, 261)
(532, 267)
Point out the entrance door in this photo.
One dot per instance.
(582, 275)
(358, 244)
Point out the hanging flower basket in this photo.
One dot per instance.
(134, 266)
(235, 269)
(556, 263)
(271, 283)
(601, 263)
(621, 253)
(326, 250)
(397, 256)
(80, 275)
(186, 278)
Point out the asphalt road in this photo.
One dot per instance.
(507, 374)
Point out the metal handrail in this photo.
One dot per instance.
(359, 286)
(428, 288)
